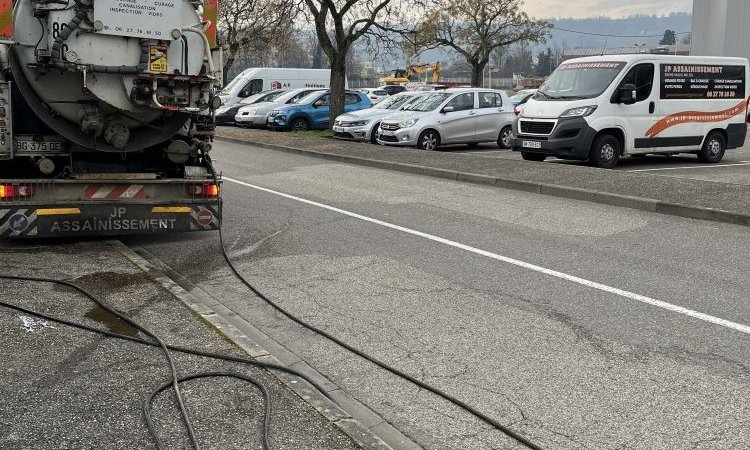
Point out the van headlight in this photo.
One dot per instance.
(582, 111)
(408, 123)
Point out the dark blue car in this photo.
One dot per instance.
(312, 112)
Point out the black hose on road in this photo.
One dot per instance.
(460, 403)
(167, 349)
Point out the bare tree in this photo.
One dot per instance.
(339, 24)
(476, 28)
(253, 24)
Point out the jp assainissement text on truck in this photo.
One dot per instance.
(106, 117)
(606, 107)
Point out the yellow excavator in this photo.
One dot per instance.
(401, 76)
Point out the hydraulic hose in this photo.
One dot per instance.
(401, 374)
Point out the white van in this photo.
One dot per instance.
(605, 107)
(252, 81)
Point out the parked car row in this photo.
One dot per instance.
(425, 119)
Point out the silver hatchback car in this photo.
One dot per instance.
(453, 116)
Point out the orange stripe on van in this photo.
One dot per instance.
(696, 117)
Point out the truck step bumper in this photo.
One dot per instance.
(106, 219)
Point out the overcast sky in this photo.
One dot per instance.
(611, 8)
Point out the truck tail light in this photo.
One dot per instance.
(16, 190)
(206, 190)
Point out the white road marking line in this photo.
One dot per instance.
(743, 163)
(564, 276)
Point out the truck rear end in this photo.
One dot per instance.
(107, 117)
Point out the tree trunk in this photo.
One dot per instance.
(338, 86)
(229, 58)
(477, 73)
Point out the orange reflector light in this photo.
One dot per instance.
(203, 190)
(11, 191)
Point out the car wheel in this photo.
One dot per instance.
(429, 140)
(533, 156)
(506, 134)
(374, 134)
(300, 125)
(713, 149)
(605, 152)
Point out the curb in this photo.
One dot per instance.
(352, 421)
(605, 198)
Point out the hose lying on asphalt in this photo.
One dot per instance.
(167, 349)
(460, 403)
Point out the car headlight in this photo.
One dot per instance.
(408, 123)
(358, 123)
(582, 111)
(274, 113)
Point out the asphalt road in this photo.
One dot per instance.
(62, 388)
(579, 325)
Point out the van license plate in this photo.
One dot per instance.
(531, 144)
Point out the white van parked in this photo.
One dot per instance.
(252, 81)
(605, 107)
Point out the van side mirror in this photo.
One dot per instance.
(244, 93)
(627, 94)
(448, 109)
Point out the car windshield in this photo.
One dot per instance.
(309, 98)
(264, 96)
(393, 102)
(518, 98)
(579, 80)
(429, 102)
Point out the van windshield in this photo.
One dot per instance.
(573, 81)
(232, 84)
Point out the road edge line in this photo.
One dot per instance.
(604, 198)
(349, 421)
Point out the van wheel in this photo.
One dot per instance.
(429, 140)
(713, 149)
(300, 125)
(533, 156)
(605, 152)
(506, 134)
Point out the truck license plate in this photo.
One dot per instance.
(32, 146)
(531, 144)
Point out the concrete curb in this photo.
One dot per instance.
(360, 423)
(605, 198)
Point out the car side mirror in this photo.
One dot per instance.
(627, 94)
(244, 93)
(448, 109)
(319, 103)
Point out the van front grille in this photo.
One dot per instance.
(537, 127)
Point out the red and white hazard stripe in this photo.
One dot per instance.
(109, 191)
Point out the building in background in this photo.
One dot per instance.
(720, 28)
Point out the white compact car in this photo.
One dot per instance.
(374, 94)
(453, 116)
(256, 115)
(362, 125)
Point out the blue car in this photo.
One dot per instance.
(312, 112)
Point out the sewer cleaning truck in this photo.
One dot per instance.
(106, 117)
